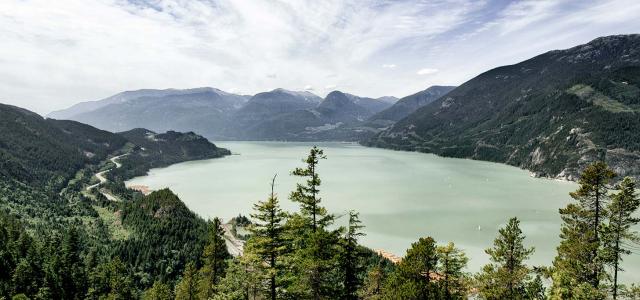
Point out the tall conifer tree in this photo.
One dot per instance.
(507, 274)
(415, 276)
(214, 259)
(618, 231)
(187, 288)
(316, 249)
(452, 262)
(72, 272)
(308, 194)
(579, 265)
(351, 257)
(593, 196)
(268, 237)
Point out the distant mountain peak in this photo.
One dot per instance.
(126, 96)
(388, 99)
(304, 94)
(336, 92)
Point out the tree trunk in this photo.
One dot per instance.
(595, 280)
(617, 251)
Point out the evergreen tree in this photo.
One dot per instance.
(579, 264)
(351, 257)
(506, 276)
(593, 196)
(307, 194)
(315, 269)
(244, 279)
(72, 271)
(187, 288)
(415, 276)
(27, 275)
(52, 265)
(111, 280)
(535, 289)
(214, 258)
(121, 284)
(159, 291)
(618, 232)
(314, 266)
(373, 283)
(452, 262)
(268, 238)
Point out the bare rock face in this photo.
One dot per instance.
(623, 162)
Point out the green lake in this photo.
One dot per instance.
(400, 196)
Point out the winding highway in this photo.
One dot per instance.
(235, 246)
(100, 176)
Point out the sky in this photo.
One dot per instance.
(56, 53)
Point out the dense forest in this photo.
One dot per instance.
(155, 150)
(46, 208)
(161, 250)
(61, 240)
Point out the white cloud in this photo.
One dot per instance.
(427, 71)
(330, 87)
(519, 15)
(56, 53)
(308, 87)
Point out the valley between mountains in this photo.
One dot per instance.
(71, 228)
(552, 114)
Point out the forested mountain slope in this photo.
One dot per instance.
(60, 240)
(551, 114)
(46, 152)
(45, 162)
(263, 115)
(347, 108)
(155, 150)
(338, 117)
(409, 104)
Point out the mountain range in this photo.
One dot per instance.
(203, 110)
(551, 114)
(274, 115)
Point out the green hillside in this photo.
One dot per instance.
(552, 114)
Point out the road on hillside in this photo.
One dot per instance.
(102, 179)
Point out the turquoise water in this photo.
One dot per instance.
(401, 196)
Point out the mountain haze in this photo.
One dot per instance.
(203, 110)
(254, 120)
(275, 115)
(331, 118)
(84, 107)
